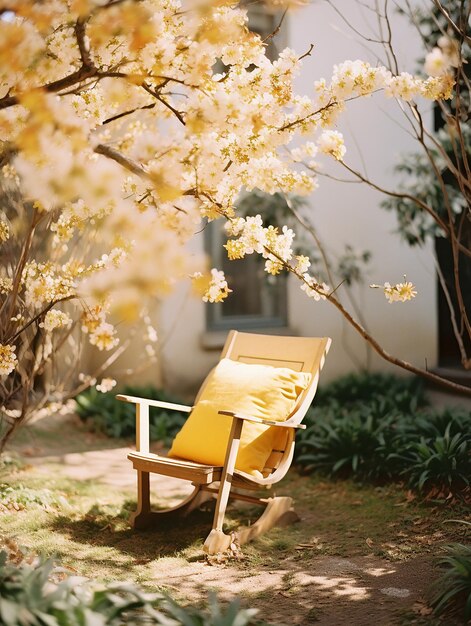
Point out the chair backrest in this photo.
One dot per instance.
(302, 354)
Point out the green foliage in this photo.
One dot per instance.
(117, 419)
(21, 497)
(9, 464)
(379, 427)
(28, 596)
(39, 594)
(385, 390)
(419, 180)
(216, 615)
(452, 590)
(434, 451)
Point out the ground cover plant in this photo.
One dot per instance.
(379, 427)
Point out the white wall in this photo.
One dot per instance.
(343, 214)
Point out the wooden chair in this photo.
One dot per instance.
(297, 353)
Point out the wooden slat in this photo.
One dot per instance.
(178, 468)
(158, 403)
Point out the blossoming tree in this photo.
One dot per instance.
(118, 137)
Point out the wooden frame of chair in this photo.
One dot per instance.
(222, 483)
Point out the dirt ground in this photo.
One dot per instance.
(326, 590)
(346, 562)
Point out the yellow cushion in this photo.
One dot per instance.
(257, 390)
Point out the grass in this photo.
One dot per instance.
(85, 525)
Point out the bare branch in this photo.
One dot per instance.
(350, 25)
(277, 29)
(397, 194)
(308, 53)
(464, 357)
(158, 97)
(127, 163)
(38, 316)
(459, 31)
(125, 113)
(83, 45)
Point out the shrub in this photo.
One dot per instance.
(117, 419)
(433, 451)
(38, 594)
(379, 426)
(389, 392)
(441, 465)
(452, 590)
(348, 444)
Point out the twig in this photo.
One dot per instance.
(451, 310)
(308, 53)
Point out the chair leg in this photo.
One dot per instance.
(140, 516)
(278, 512)
(217, 540)
(144, 517)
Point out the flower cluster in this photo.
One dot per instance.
(55, 319)
(45, 283)
(400, 292)
(102, 334)
(252, 236)
(313, 288)
(4, 231)
(442, 57)
(106, 385)
(213, 287)
(331, 142)
(6, 284)
(8, 360)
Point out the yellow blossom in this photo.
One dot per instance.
(103, 337)
(8, 360)
(55, 319)
(235, 249)
(400, 292)
(4, 231)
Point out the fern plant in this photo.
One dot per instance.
(441, 464)
(452, 590)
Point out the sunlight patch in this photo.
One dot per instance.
(395, 592)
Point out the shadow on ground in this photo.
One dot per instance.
(98, 528)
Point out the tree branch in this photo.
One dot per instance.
(127, 163)
(443, 382)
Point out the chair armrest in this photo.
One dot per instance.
(158, 403)
(259, 420)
